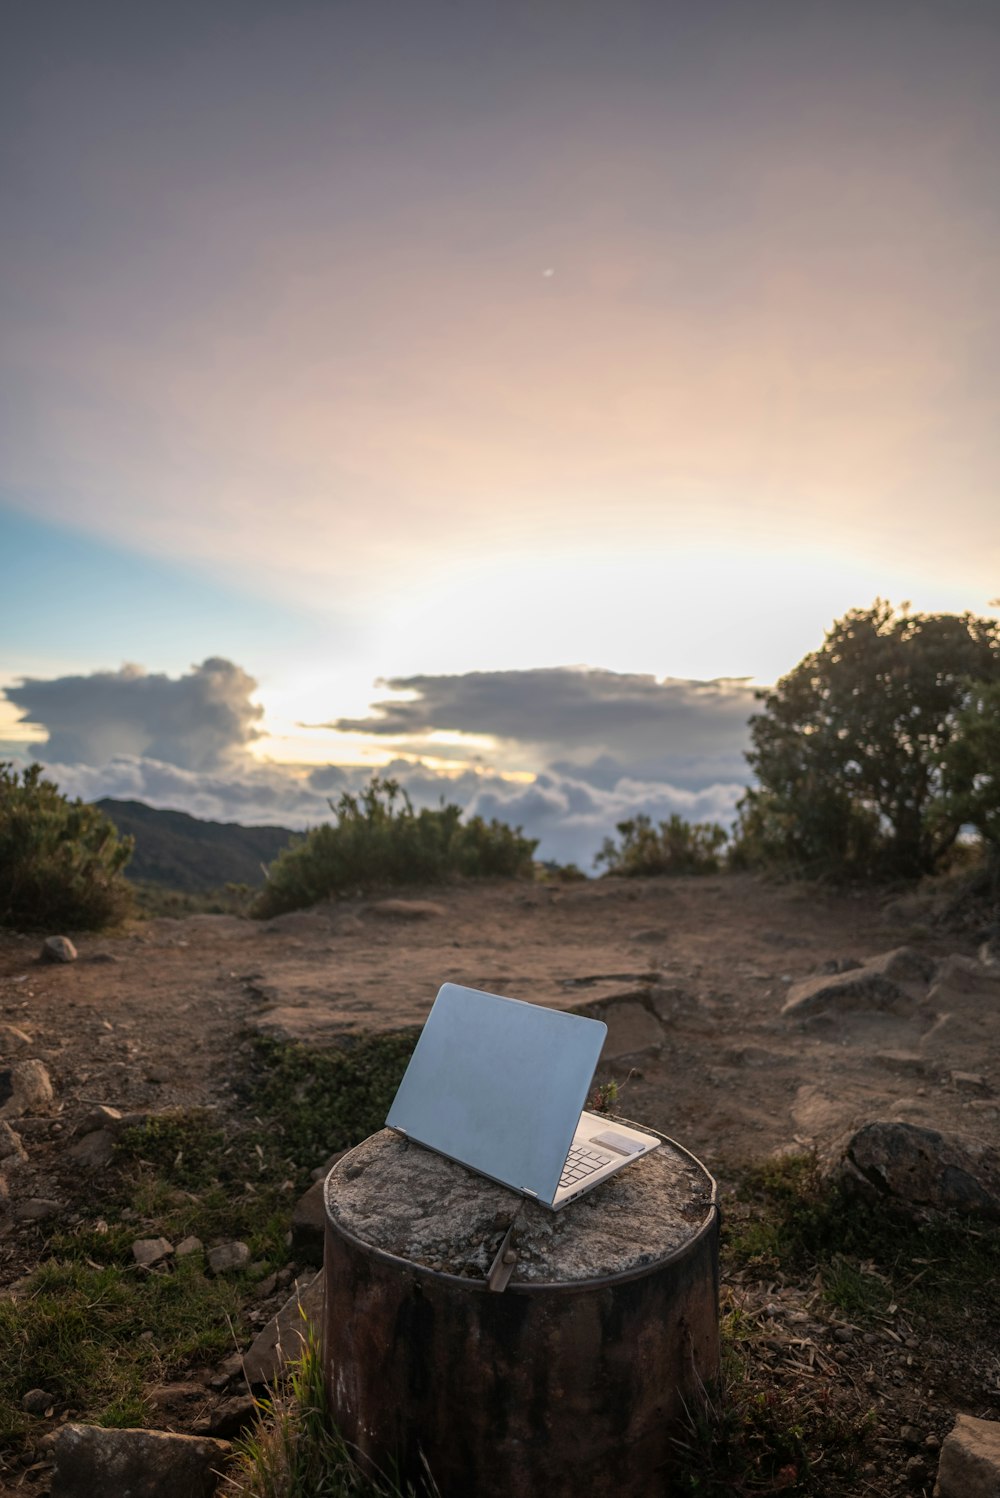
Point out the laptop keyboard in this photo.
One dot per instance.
(582, 1162)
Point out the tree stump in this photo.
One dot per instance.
(573, 1380)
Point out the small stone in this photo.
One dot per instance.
(158, 1074)
(970, 1459)
(36, 1208)
(933, 1443)
(228, 1256)
(94, 1151)
(12, 1037)
(843, 1334)
(58, 949)
(101, 1117)
(230, 1417)
(910, 1435)
(38, 1402)
(149, 1251)
(916, 1470)
(12, 1151)
(968, 1081)
(187, 1246)
(267, 1287)
(25, 1087)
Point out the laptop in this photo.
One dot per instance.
(499, 1085)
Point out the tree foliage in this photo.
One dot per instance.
(675, 847)
(851, 748)
(379, 840)
(970, 768)
(60, 861)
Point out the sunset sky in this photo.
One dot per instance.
(497, 391)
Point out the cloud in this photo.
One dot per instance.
(201, 721)
(596, 725)
(568, 816)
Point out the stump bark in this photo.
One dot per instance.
(574, 1379)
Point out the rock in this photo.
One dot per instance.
(38, 1402)
(12, 1038)
(920, 1167)
(308, 1219)
(965, 975)
(150, 1251)
(230, 1417)
(90, 1459)
(36, 1209)
(25, 1087)
(228, 1256)
(970, 1460)
(407, 910)
(12, 1151)
(94, 1151)
(58, 949)
(101, 1117)
(188, 1246)
(632, 1028)
(902, 965)
(968, 1081)
(284, 1336)
(858, 989)
(916, 1471)
(989, 952)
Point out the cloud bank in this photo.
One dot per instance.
(200, 721)
(599, 747)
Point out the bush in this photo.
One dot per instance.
(60, 861)
(676, 847)
(379, 840)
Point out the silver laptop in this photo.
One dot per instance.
(499, 1085)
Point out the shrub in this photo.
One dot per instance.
(676, 847)
(379, 840)
(60, 861)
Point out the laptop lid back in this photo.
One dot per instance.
(499, 1085)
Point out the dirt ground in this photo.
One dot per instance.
(691, 976)
(152, 1018)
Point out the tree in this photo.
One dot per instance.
(849, 748)
(970, 769)
(676, 847)
(60, 860)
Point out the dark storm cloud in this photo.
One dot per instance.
(599, 725)
(197, 722)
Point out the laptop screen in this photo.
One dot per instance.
(499, 1085)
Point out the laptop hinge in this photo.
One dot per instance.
(397, 1130)
(528, 1192)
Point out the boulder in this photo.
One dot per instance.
(58, 949)
(25, 1088)
(916, 1167)
(95, 1150)
(970, 1460)
(876, 985)
(90, 1459)
(308, 1220)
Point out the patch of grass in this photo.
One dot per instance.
(946, 1269)
(294, 1451)
(319, 1102)
(77, 1332)
(751, 1435)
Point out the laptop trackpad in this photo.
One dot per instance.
(620, 1143)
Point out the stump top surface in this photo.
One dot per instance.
(397, 1196)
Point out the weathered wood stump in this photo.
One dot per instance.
(574, 1379)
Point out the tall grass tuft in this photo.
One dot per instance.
(294, 1451)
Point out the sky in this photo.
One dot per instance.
(490, 395)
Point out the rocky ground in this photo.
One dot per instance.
(745, 1019)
